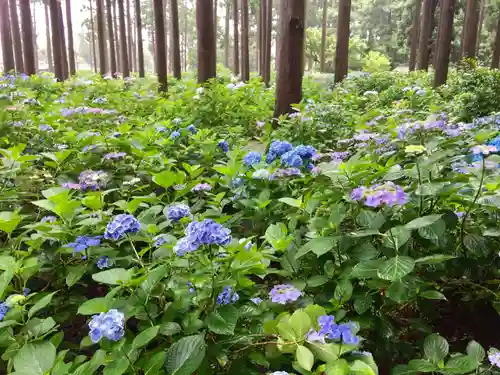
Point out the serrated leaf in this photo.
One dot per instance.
(170, 329)
(396, 237)
(300, 322)
(35, 358)
(318, 246)
(432, 294)
(155, 363)
(363, 303)
(433, 231)
(40, 304)
(366, 270)
(339, 367)
(223, 320)
(304, 357)
(74, 275)
(422, 222)
(476, 244)
(291, 202)
(461, 364)
(186, 355)
(343, 291)
(145, 337)
(115, 276)
(476, 351)
(436, 348)
(396, 268)
(421, 365)
(94, 306)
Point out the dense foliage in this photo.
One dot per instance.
(188, 233)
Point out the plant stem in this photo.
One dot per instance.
(139, 260)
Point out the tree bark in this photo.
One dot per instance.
(92, 28)
(123, 38)
(260, 37)
(35, 44)
(496, 52)
(111, 38)
(63, 42)
(176, 49)
(216, 21)
(291, 44)
(7, 49)
(267, 42)
(140, 46)
(482, 15)
(414, 35)
(447, 14)
(71, 49)
(206, 40)
(117, 38)
(245, 53)
(342, 50)
(323, 37)
(56, 40)
(425, 34)
(16, 36)
(130, 42)
(28, 47)
(470, 29)
(50, 59)
(101, 40)
(236, 36)
(161, 55)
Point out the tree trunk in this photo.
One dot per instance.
(267, 42)
(166, 23)
(111, 38)
(425, 34)
(7, 50)
(71, 49)
(216, 19)
(63, 42)
(161, 55)
(29, 49)
(470, 29)
(226, 34)
(185, 39)
(101, 40)
(482, 15)
(56, 40)
(50, 59)
(176, 49)
(130, 42)
(447, 14)
(35, 44)
(342, 50)
(206, 40)
(323, 37)
(496, 52)
(236, 36)
(123, 38)
(134, 39)
(291, 45)
(414, 35)
(92, 28)
(140, 48)
(16, 36)
(259, 16)
(245, 53)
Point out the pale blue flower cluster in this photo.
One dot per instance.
(223, 145)
(4, 309)
(114, 155)
(284, 293)
(328, 329)
(252, 158)
(178, 211)
(298, 157)
(82, 243)
(377, 195)
(121, 225)
(48, 219)
(207, 232)
(104, 262)
(227, 296)
(276, 149)
(110, 325)
(202, 187)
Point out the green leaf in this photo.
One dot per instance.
(223, 320)
(186, 355)
(422, 365)
(434, 259)
(145, 337)
(155, 363)
(300, 322)
(304, 357)
(170, 329)
(371, 219)
(291, 202)
(402, 370)
(436, 348)
(366, 270)
(38, 327)
(318, 246)
(338, 367)
(9, 221)
(74, 275)
(94, 306)
(117, 367)
(363, 303)
(40, 304)
(432, 294)
(396, 237)
(343, 291)
(461, 364)
(35, 358)
(476, 244)
(433, 231)
(396, 268)
(317, 280)
(422, 222)
(5, 280)
(359, 367)
(325, 352)
(165, 179)
(115, 276)
(476, 351)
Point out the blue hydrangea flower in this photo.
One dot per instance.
(192, 288)
(108, 325)
(252, 158)
(26, 291)
(207, 232)
(49, 219)
(82, 243)
(104, 262)
(202, 187)
(192, 129)
(314, 336)
(4, 309)
(227, 296)
(160, 240)
(93, 180)
(177, 212)
(175, 134)
(237, 182)
(279, 373)
(276, 149)
(46, 128)
(114, 155)
(286, 172)
(223, 145)
(284, 293)
(388, 193)
(493, 357)
(340, 332)
(121, 225)
(305, 152)
(261, 174)
(291, 159)
(256, 300)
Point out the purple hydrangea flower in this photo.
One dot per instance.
(202, 187)
(314, 336)
(160, 240)
(223, 145)
(121, 225)
(83, 242)
(92, 180)
(494, 358)
(284, 293)
(192, 129)
(104, 262)
(256, 300)
(286, 172)
(177, 212)
(108, 325)
(89, 148)
(342, 332)
(227, 296)
(4, 309)
(114, 155)
(377, 195)
(339, 156)
(46, 128)
(49, 219)
(207, 232)
(175, 134)
(483, 149)
(252, 158)
(71, 185)
(291, 159)
(26, 291)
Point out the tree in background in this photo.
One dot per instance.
(290, 56)
(101, 37)
(29, 48)
(342, 50)
(123, 39)
(425, 34)
(470, 29)
(414, 35)
(7, 50)
(16, 36)
(206, 40)
(111, 38)
(161, 57)
(323, 37)
(140, 49)
(446, 16)
(245, 53)
(92, 28)
(267, 42)
(176, 49)
(496, 51)
(56, 40)
(50, 58)
(71, 48)
(236, 36)
(62, 36)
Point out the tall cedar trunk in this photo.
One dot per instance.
(245, 53)
(130, 42)
(123, 38)
(153, 45)
(259, 40)
(342, 50)
(425, 34)
(92, 28)
(226, 33)
(435, 42)
(48, 40)
(236, 36)
(185, 39)
(323, 37)
(28, 47)
(470, 29)
(496, 52)
(117, 37)
(161, 55)
(134, 38)
(482, 15)
(414, 35)
(216, 19)
(111, 38)
(56, 40)
(7, 50)
(35, 44)
(291, 45)
(175, 43)
(101, 40)
(140, 46)
(267, 42)
(165, 23)
(16, 36)
(63, 42)
(206, 40)
(447, 14)
(71, 49)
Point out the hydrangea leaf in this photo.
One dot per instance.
(35, 358)
(396, 268)
(435, 348)
(304, 357)
(186, 355)
(113, 276)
